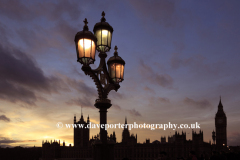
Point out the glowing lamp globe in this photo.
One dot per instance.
(103, 31)
(116, 67)
(85, 42)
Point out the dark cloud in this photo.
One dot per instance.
(65, 30)
(176, 62)
(15, 10)
(19, 120)
(85, 94)
(164, 100)
(198, 64)
(163, 80)
(3, 33)
(32, 19)
(158, 101)
(149, 89)
(116, 95)
(234, 139)
(82, 102)
(5, 140)
(51, 10)
(134, 112)
(199, 104)
(81, 87)
(117, 107)
(20, 77)
(4, 118)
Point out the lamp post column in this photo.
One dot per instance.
(103, 105)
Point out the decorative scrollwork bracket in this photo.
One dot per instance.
(101, 77)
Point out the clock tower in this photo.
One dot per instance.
(221, 126)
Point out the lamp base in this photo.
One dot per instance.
(103, 151)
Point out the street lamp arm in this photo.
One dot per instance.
(101, 77)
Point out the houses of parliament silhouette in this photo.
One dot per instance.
(177, 145)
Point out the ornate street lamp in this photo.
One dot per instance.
(105, 79)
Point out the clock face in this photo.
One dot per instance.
(220, 121)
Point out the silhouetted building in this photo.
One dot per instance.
(20, 153)
(126, 138)
(81, 132)
(176, 147)
(163, 139)
(221, 127)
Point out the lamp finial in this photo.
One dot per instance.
(115, 53)
(103, 18)
(85, 28)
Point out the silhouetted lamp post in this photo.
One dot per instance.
(105, 79)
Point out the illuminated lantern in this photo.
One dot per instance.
(85, 43)
(116, 67)
(103, 31)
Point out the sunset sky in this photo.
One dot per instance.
(181, 56)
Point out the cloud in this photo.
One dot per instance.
(81, 87)
(85, 94)
(82, 102)
(234, 139)
(146, 88)
(163, 80)
(117, 107)
(199, 104)
(134, 112)
(66, 137)
(176, 62)
(21, 77)
(164, 100)
(41, 25)
(197, 64)
(158, 101)
(116, 95)
(21, 11)
(4, 140)
(19, 120)
(4, 118)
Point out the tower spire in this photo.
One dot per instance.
(220, 106)
(81, 119)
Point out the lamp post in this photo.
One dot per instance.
(105, 79)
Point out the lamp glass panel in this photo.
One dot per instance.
(98, 35)
(105, 37)
(112, 70)
(85, 47)
(93, 50)
(118, 70)
(109, 38)
(122, 72)
(80, 48)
